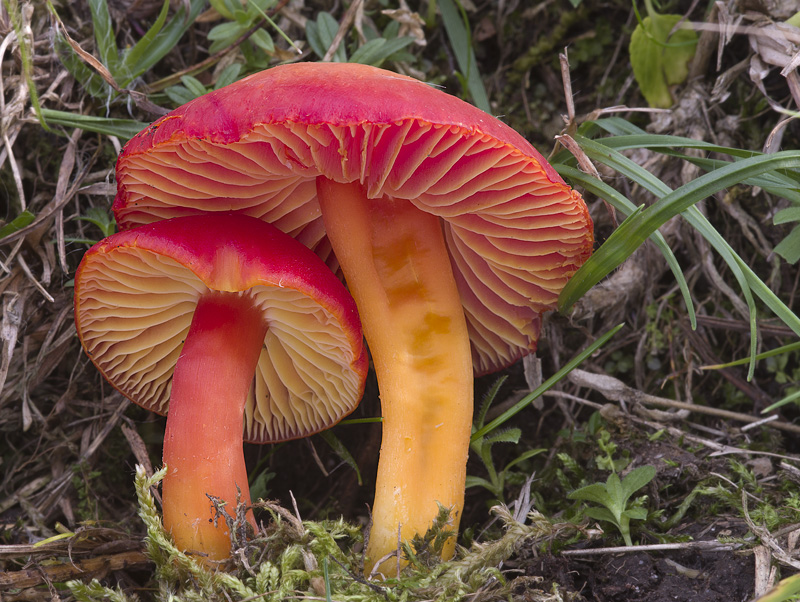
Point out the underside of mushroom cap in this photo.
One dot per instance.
(515, 231)
(135, 294)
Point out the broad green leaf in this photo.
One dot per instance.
(226, 8)
(635, 513)
(660, 59)
(636, 479)
(225, 31)
(596, 492)
(320, 34)
(790, 214)
(263, 40)
(228, 75)
(616, 495)
(473, 481)
(100, 218)
(789, 247)
(193, 85)
(376, 51)
(601, 514)
(180, 95)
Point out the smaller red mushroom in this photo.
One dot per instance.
(235, 328)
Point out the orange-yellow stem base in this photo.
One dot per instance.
(397, 268)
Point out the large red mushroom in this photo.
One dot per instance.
(234, 330)
(453, 233)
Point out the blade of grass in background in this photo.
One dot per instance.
(624, 206)
(545, 386)
(121, 128)
(125, 65)
(456, 25)
(639, 226)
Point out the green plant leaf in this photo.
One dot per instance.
(104, 34)
(320, 34)
(19, 222)
(456, 26)
(159, 40)
(263, 40)
(341, 451)
(601, 514)
(789, 247)
(786, 590)
(505, 436)
(636, 479)
(100, 218)
(180, 95)
(624, 206)
(376, 51)
(228, 75)
(629, 236)
(660, 59)
(636, 513)
(524, 456)
(121, 128)
(193, 85)
(473, 481)
(596, 492)
(545, 386)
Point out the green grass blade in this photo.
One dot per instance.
(626, 207)
(786, 400)
(122, 128)
(133, 57)
(18, 223)
(158, 46)
(456, 26)
(545, 386)
(630, 235)
(104, 35)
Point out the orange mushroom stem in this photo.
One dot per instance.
(397, 268)
(209, 387)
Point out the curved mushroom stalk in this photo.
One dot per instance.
(210, 385)
(234, 330)
(397, 268)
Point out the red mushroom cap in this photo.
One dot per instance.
(515, 231)
(135, 296)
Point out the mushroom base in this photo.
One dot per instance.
(203, 440)
(398, 270)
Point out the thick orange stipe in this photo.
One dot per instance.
(203, 439)
(396, 265)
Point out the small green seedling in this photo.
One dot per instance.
(614, 496)
(482, 447)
